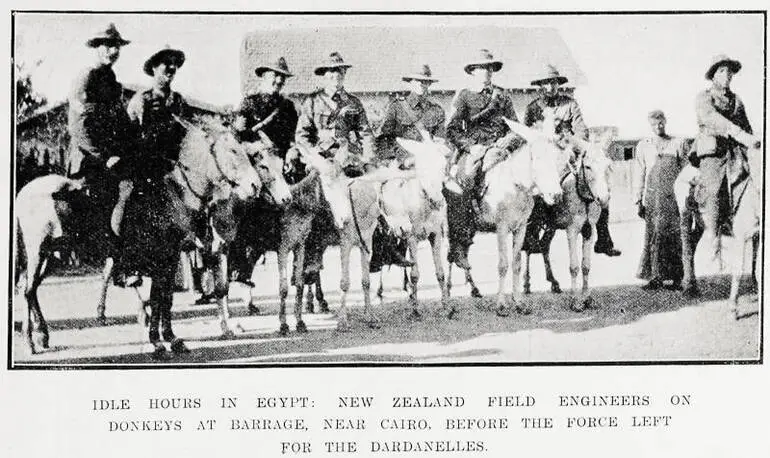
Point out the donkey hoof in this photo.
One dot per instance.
(452, 315)
(253, 309)
(527, 289)
(374, 324)
(309, 308)
(475, 293)
(555, 288)
(301, 327)
(284, 331)
(159, 351)
(523, 310)
(343, 326)
(576, 305)
(178, 346)
(415, 315)
(691, 292)
(323, 306)
(589, 303)
(503, 311)
(101, 320)
(39, 341)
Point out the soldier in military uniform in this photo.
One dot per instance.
(568, 121)
(333, 119)
(406, 117)
(159, 140)
(99, 129)
(269, 112)
(476, 118)
(723, 133)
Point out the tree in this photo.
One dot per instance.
(27, 100)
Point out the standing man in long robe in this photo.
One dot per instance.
(659, 159)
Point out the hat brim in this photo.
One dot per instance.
(162, 56)
(408, 78)
(260, 70)
(544, 81)
(96, 42)
(494, 65)
(734, 65)
(325, 68)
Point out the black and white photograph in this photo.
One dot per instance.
(202, 189)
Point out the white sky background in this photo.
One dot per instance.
(633, 63)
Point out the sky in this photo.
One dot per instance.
(633, 63)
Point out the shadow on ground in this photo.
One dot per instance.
(618, 305)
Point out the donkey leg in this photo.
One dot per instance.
(587, 301)
(155, 312)
(436, 241)
(414, 276)
(369, 315)
(502, 269)
(527, 284)
(572, 235)
(323, 306)
(545, 246)
(738, 259)
(221, 291)
(342, 318)
(36, 331)
(252, 307)
(688, 263)
(299, 256)
(309, 306)
(106, 276)
(283, 288)
(518, 242)
(380, 288)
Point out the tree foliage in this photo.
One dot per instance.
(27, 100)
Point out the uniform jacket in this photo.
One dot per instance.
(402, 119)
(280, 128)
(159, 132)
(328, 121)
(719, 115)
(476, 118)
(97, 119)
(568, 118)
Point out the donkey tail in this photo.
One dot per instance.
(21, 255)
(586, 230)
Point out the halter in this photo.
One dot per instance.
(212, 152)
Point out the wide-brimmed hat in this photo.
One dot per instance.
(108, 35)
(423, 74)
(551, 74)
(484, 59)
(719, 61)
(333, 62)
(164, 55)
(278, 66)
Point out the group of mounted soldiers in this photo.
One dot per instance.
(146, 136)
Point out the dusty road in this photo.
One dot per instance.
(630, 325)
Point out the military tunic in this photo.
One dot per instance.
(97, 121)
(476, 118)
(277, 115)
(160, 134)
(567, 116)
(330, 122)
(403, 119)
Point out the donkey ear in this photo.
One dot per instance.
(523, 131)
(265, 139)
(314, 159)
(414, 147)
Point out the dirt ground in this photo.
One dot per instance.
(630, 324)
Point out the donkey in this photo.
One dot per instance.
(510, 187)
(585, 190)
(746, 222)
(209, 169)
(416, 205)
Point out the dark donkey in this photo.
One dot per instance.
(210, 167)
